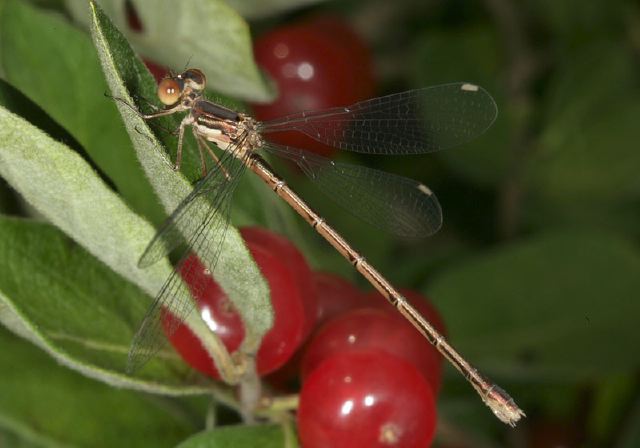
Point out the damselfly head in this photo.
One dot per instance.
(170, 90)
(173, 87)
(194, 79)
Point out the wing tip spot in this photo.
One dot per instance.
(469, 87)
(423, 188)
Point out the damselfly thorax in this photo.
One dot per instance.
(210, 121)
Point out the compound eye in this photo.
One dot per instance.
(169, 91)
(194, 78)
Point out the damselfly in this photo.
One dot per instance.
(413, 122)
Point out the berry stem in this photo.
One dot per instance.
(230, 372)
(280, 403)
(250, 391)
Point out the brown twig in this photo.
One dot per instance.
(523, 67)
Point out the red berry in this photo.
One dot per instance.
(278, 345)
(158, 71)
(419, 302)
(336, 296)
(367, 399)
(291, 257)
(316, 64)
(133, 19)
(370, 328)
(335, 28)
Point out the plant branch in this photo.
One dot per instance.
(523, 67)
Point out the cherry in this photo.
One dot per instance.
(343, 35)
(135, 24)
(370, 328)
(368, 398)
(295, 262)
(336, 296)
(158, 71)
(316, 64)
(278, 345)
(133, 19)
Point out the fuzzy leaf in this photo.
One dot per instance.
(56, 295)
(61, 186)
(237, 437)
(207, 34)
(267, 8)
(55, 65)
(44, 404)
(236, 272)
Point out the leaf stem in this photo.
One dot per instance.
(523, 68)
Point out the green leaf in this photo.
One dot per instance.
(612, 399)
(65, 301)
(266, 8)
(629, 436)
(14, 101)
(587, 150)
(44, 404)
(55, 65)
(235, 271)
(237, 437)
(468, 54)
(207, 34)
(540, 308)
(61, 186)
(572, 22)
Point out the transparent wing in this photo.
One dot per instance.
(169, 236)
(413, 122)
(393, 203)
(205, 211)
